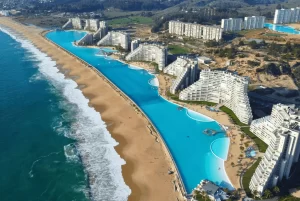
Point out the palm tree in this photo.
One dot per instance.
(276, 190)
(267, 193)
(255, 193)
(226, 190)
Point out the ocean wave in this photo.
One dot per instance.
(94, 143)
(71, 153)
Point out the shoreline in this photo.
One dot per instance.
(144, 184)
(127, 98)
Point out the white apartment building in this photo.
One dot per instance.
(280, 131)
(195, 30)
(86, 40)
(135, 44)
(91, 25)
(186, 72)
(254, 22)
(221, 87)
(102, 31)
(232, 24)
(149, 52)
(114, 38)
(286, 16)
(73, 23)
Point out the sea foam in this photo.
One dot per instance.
(93, 141)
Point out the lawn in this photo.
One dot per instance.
(176, 49)
(175, 97)
(274, 34)
(262, 146)
(231, 114)
(289, 198)
(130, 20)
(247, 177)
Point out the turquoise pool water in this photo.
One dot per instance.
(190, 148)
(197, 116)
(282, 28)
(218, 145)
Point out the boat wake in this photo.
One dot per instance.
(93, 141)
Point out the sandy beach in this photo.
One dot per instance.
(295, 26)
(147, 163)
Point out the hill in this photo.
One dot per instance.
(130, 5)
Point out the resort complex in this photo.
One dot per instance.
(195, 30)
(280, 131)
(116, 38)
(186, 72)
(98, 29)
(223, 88)
(286, 16)
(237, 24)
(149, 52)
(196, 89)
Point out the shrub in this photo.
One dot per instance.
(262, 146)
(247, 177)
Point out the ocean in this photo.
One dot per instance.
(53, 146)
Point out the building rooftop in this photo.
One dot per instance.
(210, 188)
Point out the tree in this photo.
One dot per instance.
(288, 46)
(232, 164)
(266, 58)
(255, 193)
(226, 190)
(211, 43)
(278, 6)
(253, 44)
(276, 190)
(267, 193)
(241, 43)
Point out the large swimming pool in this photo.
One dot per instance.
(182, 130)
(282, 28)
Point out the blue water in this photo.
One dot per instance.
(217, 147)
(197, 116)
(282, 28)
(253, 153)
(33, 163)
(183, 135)
(53, 145)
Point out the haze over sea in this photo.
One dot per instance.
(43, 121)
